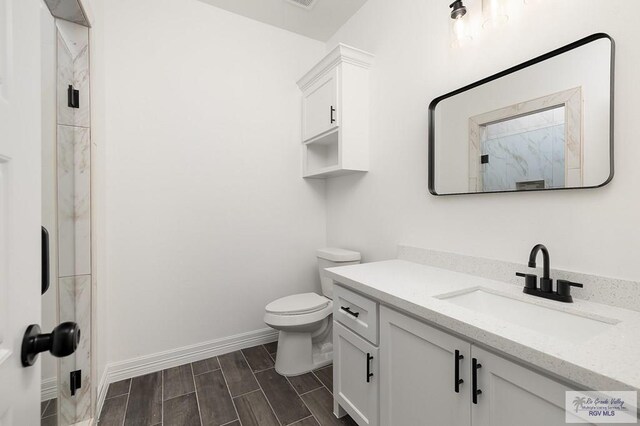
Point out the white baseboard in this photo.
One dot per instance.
(103, 386)
(49, 389)
(172, 358)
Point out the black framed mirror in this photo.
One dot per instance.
(546, 124)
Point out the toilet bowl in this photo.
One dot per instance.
(304, 321)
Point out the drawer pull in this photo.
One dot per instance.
(369, 373)
(331, 112)
(475, 365)
(350, 312)
(458, 381)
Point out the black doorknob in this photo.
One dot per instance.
(61, 342)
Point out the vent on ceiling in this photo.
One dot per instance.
(306, 4)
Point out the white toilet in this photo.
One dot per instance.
(305, 321)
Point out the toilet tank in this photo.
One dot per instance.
(330, 258)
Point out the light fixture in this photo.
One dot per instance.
(458, 10)
(495, 13)
(459, 24)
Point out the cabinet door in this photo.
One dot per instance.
(515, 395)
(355, 375)
(320, 106)
(418, 372)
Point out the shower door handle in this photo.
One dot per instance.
(46, 264)
(73, 97)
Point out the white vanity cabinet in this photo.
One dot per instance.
(414, 377)
(356, 370)
(417, 370)
(356, 364)
(515, 395)
(335, 114)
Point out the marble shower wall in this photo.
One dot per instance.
(74, 216)
(74, 201)
(73, 68)
(75, 305)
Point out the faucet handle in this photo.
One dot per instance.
(564, 287)
(530, 280)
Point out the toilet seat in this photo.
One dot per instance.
(298, 310)
(298, 304)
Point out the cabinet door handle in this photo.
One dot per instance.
(458, 380)
(350, 312)
(369, 373)
(331, 112)
(475, 365)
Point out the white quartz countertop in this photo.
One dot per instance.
(607, 361)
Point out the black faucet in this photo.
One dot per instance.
(563, 292)
(546, 283)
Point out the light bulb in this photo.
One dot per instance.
(495, 13)
(460, 32)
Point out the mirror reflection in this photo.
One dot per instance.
(541, 126)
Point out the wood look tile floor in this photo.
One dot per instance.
(241, 388)
(49, 412)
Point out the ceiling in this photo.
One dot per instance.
(320, 22)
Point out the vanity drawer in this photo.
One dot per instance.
(356, 312)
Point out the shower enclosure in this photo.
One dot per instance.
(68, 383)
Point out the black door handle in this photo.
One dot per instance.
(369, 373)
(61, 342)
(45, 261)
(350, 312)
(73, 97)
(457, 380)
(475, 365)
(332, 111)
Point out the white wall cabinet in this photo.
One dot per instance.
(335, 114)
(415, 378)
(320, 106)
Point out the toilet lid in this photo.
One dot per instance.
(297, 304)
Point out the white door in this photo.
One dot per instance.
(320, 106)
(355, 375)
(418, 374)
(20, 123)
(514, 395)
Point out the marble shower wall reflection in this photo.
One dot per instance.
(74, 216)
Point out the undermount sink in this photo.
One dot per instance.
(574, 327)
